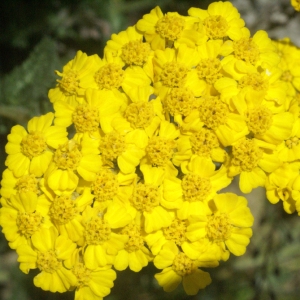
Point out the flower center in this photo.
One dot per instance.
(160, 150)
(218, 227)
(246, 154)
(109, 77)
(203, 142)
(47, 261)
(216, 27)
(255, 81)
(292, 142)
(27, 183)
(135, 241)
(139, 114)
(29, 223)
(213, 112)
(33, 144)
(135, 53)
(69, 82)
(195, 187)
(82, 274)
(106, 186)
(180, 101)
(86, 119)
(209, 69)
(67, 156)
(63, 209)
(112, 145)
(97, 232)
(245, 49)
(183, 265)
(259, 120)
(286, 76)
(145, 197)
(173, 74)
(170, 27)
(176, 231)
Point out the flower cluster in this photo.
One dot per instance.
(129, 168)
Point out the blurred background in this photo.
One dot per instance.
(38, 37)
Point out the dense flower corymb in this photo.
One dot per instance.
(130, 167)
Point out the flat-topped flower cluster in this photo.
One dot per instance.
(129, 168)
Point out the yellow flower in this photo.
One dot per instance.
(162, 31)
(228, 223)
(70, 159)
(101, 240)
(105, 187)
(48, 254)
(252, 89)
(110, 186)
(200, 249)
(289, 64)
(76, 72)
(134, 255)
(289, 149)
(175, 232)
(112, 75)
(128, 45)
(252, 159)
(286, 49)
(125, 149)
(23, 215)
(142, 112)
(296, 4)
(199, 184)
(161, 148)
(181, 104)
(220, 20)
(130, 167)
(11, 185)
(93, 284)
(140, 115)
(250, 53)
(31, 151)
(216, 115)
(268, 125)
(178, 267)
(203, 143)
(146, 200)
(210, 66)
(269, 83)
(175, 69)
(283, 184)
(65, 213)
(291, 76)
(97, 109)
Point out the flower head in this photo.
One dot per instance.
(178, 267)
(48, 253)
(228, 224)
(23, 216)
(162, 31)
(220, 20)
(31, 151)
(73, 78)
